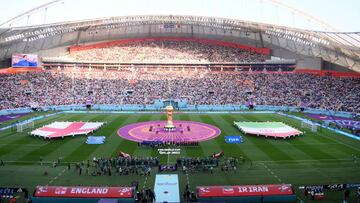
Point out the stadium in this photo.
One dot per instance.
(178, 108)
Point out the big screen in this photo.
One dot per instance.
(24, 60)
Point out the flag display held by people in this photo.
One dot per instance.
(267, 129)
(125, 155)
(63, 129)
(218, 155)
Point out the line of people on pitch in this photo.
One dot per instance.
(188, 195)
(159, 144)
(192, 164)
(119, 166)
(230, 164)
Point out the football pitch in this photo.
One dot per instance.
(324, 157)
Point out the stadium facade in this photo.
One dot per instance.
(309, 49)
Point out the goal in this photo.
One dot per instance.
(309, 125)
(20, 127)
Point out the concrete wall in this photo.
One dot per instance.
(334, 67)
(309, 63)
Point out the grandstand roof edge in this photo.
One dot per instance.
(129, 17)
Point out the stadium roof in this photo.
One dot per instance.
(336, 47)
(304, 14)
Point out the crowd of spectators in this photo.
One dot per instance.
(167, 51)
(198, 87)
(202, 164)
(188, 161)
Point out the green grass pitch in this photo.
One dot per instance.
(314, 158)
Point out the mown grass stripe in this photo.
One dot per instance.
(84, 150)
(228, 129)
(209, 147)
(112, 138)
(318, 153)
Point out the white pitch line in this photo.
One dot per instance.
(304, 160)
(187, 178)
(272, 173)
(335, 140)
(56, 177)
(145, 182)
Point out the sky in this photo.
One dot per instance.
(344, 15)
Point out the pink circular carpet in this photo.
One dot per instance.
(186, 131)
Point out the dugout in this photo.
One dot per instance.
(246, 193)
(78, 194)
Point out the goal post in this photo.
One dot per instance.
(310, 125)
(20, 127)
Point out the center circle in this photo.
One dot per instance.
(185, 131)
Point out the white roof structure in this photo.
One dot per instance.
(335, 47)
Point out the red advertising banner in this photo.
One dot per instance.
(244, 190)
(85, 192)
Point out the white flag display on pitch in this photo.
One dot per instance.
(267, 129)
(62, 129)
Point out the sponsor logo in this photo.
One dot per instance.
(284, 188)
(124, 190)
(60, 190)
(166, 183)
(42, 190)
(228, 190)
(204, 189)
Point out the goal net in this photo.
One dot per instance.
(309, 125)
(20, 127)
